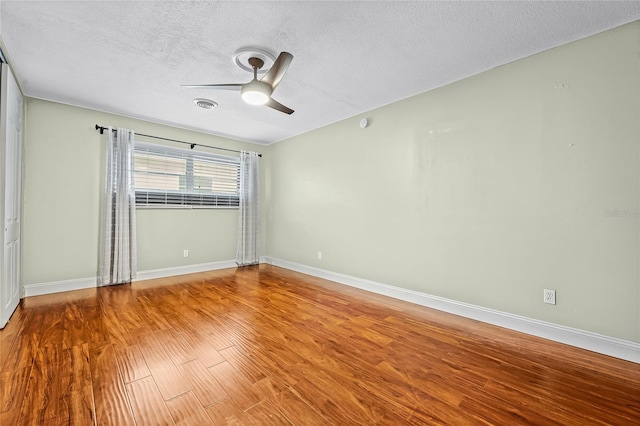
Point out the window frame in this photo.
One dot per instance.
(148, 198)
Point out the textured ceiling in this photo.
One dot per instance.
(130, 57)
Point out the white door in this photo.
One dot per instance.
(10, 193)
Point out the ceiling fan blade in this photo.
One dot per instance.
(214, 86)
(271, 103)
(278, 69)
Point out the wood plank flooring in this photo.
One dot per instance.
(267, 346)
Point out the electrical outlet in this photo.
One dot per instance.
(550, 296)
(185, 253)
(319, 255)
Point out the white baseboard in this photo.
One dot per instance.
(611, 346)
(51, 287)
(186, 269)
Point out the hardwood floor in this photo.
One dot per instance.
(267, 346)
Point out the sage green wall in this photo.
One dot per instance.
(484, 191)
(63, 180)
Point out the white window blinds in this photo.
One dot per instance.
(174, 177)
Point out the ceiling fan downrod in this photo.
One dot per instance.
(257, 64)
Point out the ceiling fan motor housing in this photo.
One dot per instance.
(256, 92)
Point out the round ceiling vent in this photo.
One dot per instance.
(242, 55)
(205, 103)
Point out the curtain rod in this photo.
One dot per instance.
(101, 129)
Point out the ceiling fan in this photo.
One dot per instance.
(258, 92)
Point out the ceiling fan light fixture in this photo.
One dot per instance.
(255, 97)
(256, 92)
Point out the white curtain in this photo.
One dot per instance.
(248, 220)
(117, 263)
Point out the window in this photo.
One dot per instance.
(168, 176)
